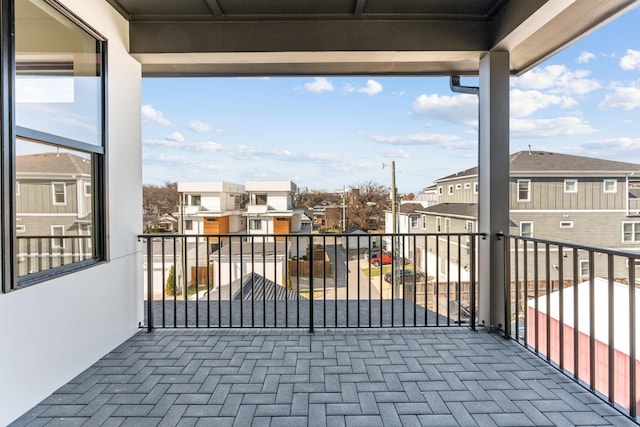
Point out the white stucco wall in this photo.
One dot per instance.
(53, 331)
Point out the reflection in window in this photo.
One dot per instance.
(53, 210)
(58, 74)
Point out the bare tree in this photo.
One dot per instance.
(366, 205)
(158, 201)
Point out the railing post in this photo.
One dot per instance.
(149, 285)
(311, 284)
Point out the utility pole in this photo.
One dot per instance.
(394, 223)
(344, 209)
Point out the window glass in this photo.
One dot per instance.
(523, 190)
(627, 232)
(255, 224)
(195, 200)
(610, 185)
(414, 221)
(526, 229)
(570, 186)
(52, 203)
(58, 74)
(261, 199)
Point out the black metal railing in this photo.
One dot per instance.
(310, 280)
(576, 307)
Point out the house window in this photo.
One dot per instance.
(469, 226)
(261, 199)
(237, 201)
(584, 268)
(440, 191)
(524, 190)
(526, 229)
(458, 186)
(566, 224)
(255, 224)
(21, 228)
(195, 200)
(570, 185)
(59, 192)
(447, 225)
(59, 125)
(424, 222)
(188, 224)
(438, 224)
(450, 189)
(475, 188)
(610, 186)
(631, 231)
(467, 185)
(57, 230)
(414, 221)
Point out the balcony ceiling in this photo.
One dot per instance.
(325, 37)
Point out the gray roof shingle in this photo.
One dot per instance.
(468, 210)
(53, 163)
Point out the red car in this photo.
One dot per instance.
(380, 258)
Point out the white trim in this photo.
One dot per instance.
(21, 228)
(447, 224)
(53, 241)
(458, 186)
(615, 186)
(467, 185)
(17, 188)
(567, 181)
(528, 182)
(450, 190)
(475, 187)
(84, 189)
(633, 231)
(566, 224)
(440, 190)
(582, 262)
(53, 193)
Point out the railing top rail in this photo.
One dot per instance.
(573, 245)
(362, 236)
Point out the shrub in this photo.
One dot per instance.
(169, 287)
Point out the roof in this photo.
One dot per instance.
(467, 210)
(410, 207)
(537, 162)
(53, 163)
(254, 287)
(322, 37)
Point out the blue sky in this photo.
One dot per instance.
(326, 133)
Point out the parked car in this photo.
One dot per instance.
(405, 275)
(371, 253)
(381, 257)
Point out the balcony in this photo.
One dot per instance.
(301, 330)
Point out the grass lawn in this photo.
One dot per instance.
(316, 294)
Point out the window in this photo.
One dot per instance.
(261, 199)
(524, 190)
(458, 186)
(59, 146)
(570, 185)
(440, 191)
(424, 222)
(475, 188)
(447, 225)
(438, 224)
(237, 201)
(255, 224)
(414, 221)
(450, 189)
(59, 192)
(467, 185)
(195, 200)
(584, 268)
(526, 229)
(566, 224)
(469, 227)
(188, 224)
(610, 186)
(57, 230)
(631, 231)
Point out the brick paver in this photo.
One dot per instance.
(343, 376)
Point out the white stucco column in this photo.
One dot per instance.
(493, 177)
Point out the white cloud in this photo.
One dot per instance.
(523, 103)
(625, 144)
(631, 61)
(585, 57)
(395, 153)
(541, 128)
(198, 126)
(625, 97)
(319, 84)
(372, 88)
(456, 109)
(445, 141)
(175, 136)
(557, 79)
(152, 115)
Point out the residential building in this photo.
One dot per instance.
(270, 208)
(71, 74)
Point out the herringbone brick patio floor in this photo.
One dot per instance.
(334, 377)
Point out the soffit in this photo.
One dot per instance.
(313, 37)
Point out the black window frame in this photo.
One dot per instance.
(9, 135)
